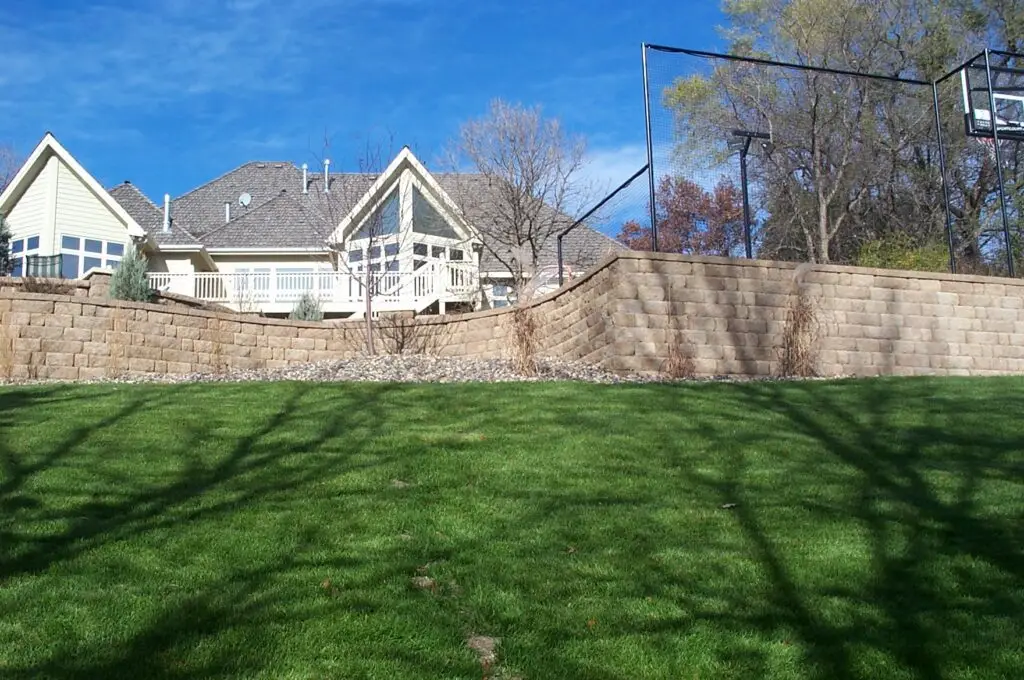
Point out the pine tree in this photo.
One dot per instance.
(129, 282)
(5, 248)
(307, 309)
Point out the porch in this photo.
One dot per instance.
(275, 291)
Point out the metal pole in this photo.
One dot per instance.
(999, 163)
(746, 200)
(561, 271)
(650, 153)
(945, 186)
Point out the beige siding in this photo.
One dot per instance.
(29, 215)
(80, 212)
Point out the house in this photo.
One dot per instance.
(263, 234)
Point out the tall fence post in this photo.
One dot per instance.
(650, 153)
(945, 184)
(999, 161)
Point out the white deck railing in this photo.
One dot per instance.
(398, 290)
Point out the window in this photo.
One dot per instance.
(393, 266)
(499, 290)
(373, 253)
(456, 255)
(390, 249)
(21, 249)
(355, 255)
(437, 251)
(419, 249)
(79, 255)
(426, 220)
(383, 221)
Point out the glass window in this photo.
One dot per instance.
(383, 221)
(426, 220)
(390, 249)
(499, 290)
(437, 251)
(373, 253)
(91, 263)
(69, 242)
(456, 254)
(355, 255)
(16, 267)
(115, 249)
(419, 249)
(17, 246)
(375, 267)
(69, 266)
(113, 264)
(93, 246)
(32, 243)
(501, 303)
(416, 264)
(393, 266)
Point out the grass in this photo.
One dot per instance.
(872, 529)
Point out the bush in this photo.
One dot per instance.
(129, 282)
(899, 251)
(307, 309)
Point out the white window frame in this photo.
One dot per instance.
(21, 258)
(106, 258)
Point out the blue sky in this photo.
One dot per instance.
(173, 93)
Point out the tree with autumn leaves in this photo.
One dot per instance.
(692, 220)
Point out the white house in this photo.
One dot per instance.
(261, 235)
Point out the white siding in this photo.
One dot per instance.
(80, 212)
(28, 217)
(173, 263)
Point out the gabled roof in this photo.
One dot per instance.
(150, 217)
(383, 185)
(48, 147)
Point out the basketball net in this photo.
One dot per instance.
(990, 145)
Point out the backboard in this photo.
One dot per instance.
(1008, 92)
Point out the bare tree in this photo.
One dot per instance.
(370, 255)
(9, 165)
(517, 181)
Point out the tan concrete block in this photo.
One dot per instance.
(282, 341)
(77, 334)
(176, 368)
(59, 359)
(141, 365)
(162, 342)
(296, 355)
(280, 331)
(15, 318)
(244, 340)
(62, 346)
(26, 344)
(91, 322)
(143, 352)
(187, 332)
(91, 373)
(32, 306)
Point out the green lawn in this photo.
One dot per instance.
(367, 531)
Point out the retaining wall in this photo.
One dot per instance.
(630, 314)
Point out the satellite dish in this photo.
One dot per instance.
(244, 200)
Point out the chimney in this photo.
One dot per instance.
(227, 212)
(305, 182)
(327, 175)
(167, 213)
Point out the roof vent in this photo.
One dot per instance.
(327, 175)
(227, 212)
(305, 180)
(167, 213)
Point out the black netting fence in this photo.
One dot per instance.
(623, 214)
(787, 161)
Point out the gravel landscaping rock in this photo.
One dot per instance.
(411, 368)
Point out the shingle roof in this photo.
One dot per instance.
(480, 203)
(150, 217)
(281, 222)
(280, 215)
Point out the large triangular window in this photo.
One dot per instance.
(426, 220)
(384, 220)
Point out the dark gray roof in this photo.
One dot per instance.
(280, 215)
(150, 217)
(479, 201)
(281, 222)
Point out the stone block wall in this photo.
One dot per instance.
(630, 315)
